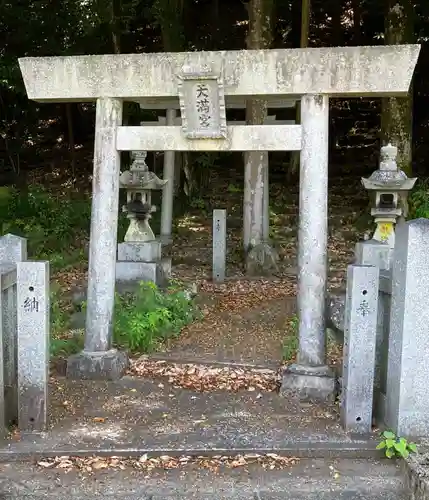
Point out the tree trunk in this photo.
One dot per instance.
(397, 113)
(70, 138)
(337, 27)
(258, 37)
(357, 19)
(304, 42)
(115, 25)
(305, 24)
(170, 15)
(215, 10)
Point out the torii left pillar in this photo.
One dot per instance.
(98, 360)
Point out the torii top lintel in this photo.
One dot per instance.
(335, 71)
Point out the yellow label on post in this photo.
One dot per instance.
(386, 229)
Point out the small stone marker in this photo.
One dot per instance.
(407, 386)
(13, 248)
(8, 371)
(373, 253)
(360, 330)
(219, 244)
(33, 344)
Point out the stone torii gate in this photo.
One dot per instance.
(312, 75)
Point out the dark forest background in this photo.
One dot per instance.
(46, 150)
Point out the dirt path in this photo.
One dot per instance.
(247, 321)
(253, 335)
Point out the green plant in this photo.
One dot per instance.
(395, 446)
(150, 316)
(58, 316)
(233, 189)
(67, 345)
(62, 340)
(290, 342)
(419, 201)
(197, 203)
(52, 224)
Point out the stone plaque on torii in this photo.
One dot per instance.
(312, 74)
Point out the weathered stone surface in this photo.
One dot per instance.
(157, 272)
(13, 248)
(107, 365)
(232, 102)
(373, 253)
(262, 260)
(239, 138)
(313, 230)
(407, 390)
(8, 338)
(310, 479)
(147, 251)
(335, 309)
(270, 120)
(168, 189)
(104, 222)
(33, 344)
(339, 71)
(360, 332)
(308, 383)
(415, 469)
(219, 244)
(202, 102)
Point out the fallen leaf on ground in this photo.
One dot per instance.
(145, 463)
(204, 378)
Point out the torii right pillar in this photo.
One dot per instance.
(310, 377)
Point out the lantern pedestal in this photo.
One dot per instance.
(142, 261)
(139, 256)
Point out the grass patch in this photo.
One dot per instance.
(290, 342)
(290, 345)
(63, 341)
(148, 318)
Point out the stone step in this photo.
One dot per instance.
(310, 479)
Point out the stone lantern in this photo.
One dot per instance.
(389, 187)
(139, 256)
(139, 183)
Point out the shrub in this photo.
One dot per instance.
(51, 224)
(419, 201)
(150, 316)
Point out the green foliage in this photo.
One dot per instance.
(150, 316)
(198, 203)
(419, 201)
(53, 226)
(62, 342)
(67, 345)
(290, 342)
(206, 160)
(58, 316)
(232, 188)
(395, 446)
